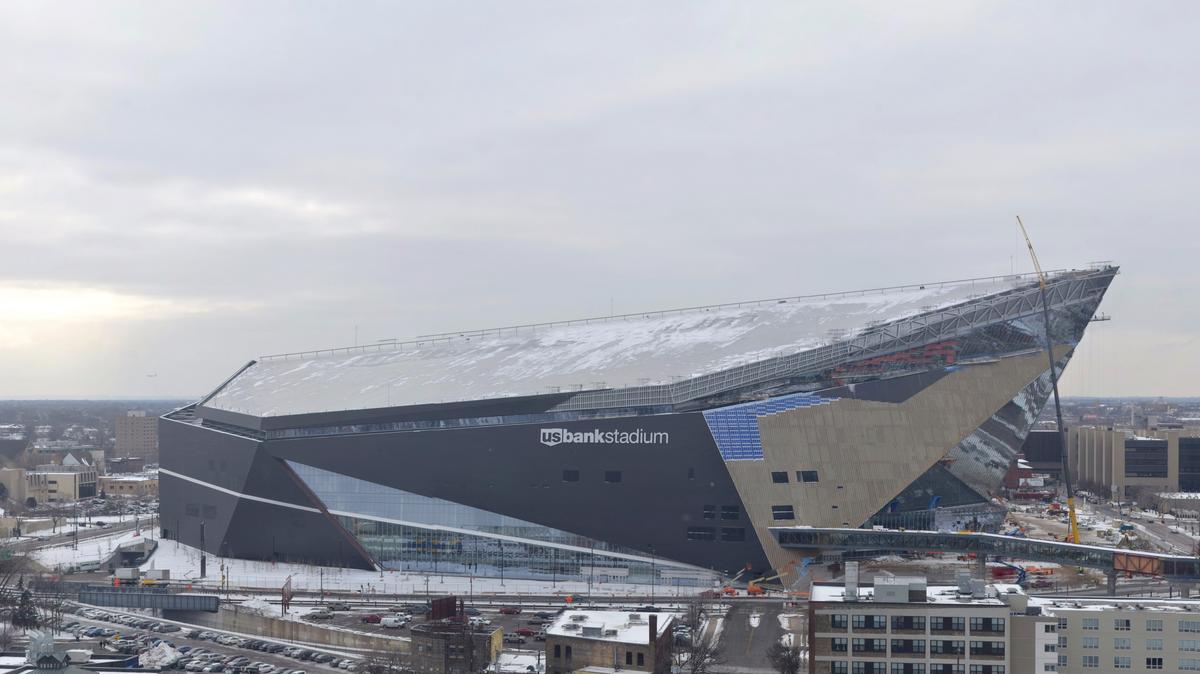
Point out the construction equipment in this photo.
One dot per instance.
(754, 589)
(1073, 530)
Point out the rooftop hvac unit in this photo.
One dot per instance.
(978, 589)
(579, 617)
(635, 617)
(610, 633)
(571, 626)
(851, 581)
(963, 579)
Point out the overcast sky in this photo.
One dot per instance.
(185, 186)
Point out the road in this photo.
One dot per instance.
(750, 628)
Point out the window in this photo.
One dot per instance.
(1091, 661)
(782, 512)
(710, 512)
(629, 657)
(1154, 663)
(840, 667)
(1189, 664)
(1050, 648)
(1062, 661)
(1154, 644)
(1154, 626)
(987, 624)
(869, 622)
(701, 534)
(1049, 628)
(1122, 644)
(947, 624)
(838, 644)
(612, 476)
(807, 476)
(568, 651)
(557, 651)
(1122, 662)
(1062, 623)
(987, 648)
(1121, 624)
(900, 622)
(1062, 642)
(641, 659)
(908, 668)
(733, 534)
(731, 512)
(570, 476)
(838, 621)
(1189, 625)
(779, 476)
(1090, 642)
(1091, 623)
(908, 646)
(1190, 645)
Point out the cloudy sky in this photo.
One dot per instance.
(184, 186)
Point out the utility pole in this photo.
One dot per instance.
(203, 560)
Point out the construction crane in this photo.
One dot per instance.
(753, 587)
(1073, 531)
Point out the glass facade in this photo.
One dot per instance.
(409, 532)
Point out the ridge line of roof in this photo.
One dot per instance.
(434, 337)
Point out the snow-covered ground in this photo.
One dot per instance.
(97, 549)
(184, 564)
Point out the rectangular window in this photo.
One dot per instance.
(1189, 645)
(838, 621)
(1122, 644)
(1154, 644)
(557, 651)
(701, 534)
(710, 512)
(1189, 625)
(779, 476)
(612, 476)
(570, 476)
(629, 657)
(807, 476)
(1189, 664)
(733, 534)
(641, 659)
(731, 512)
(1154, 625)
(1154, 663)
(1091, 623)
(1090, 642)
(568, 652)
(1121, 624)
(1122, 662)
(782, 512)
(1091, 661)
(838, 644)
(840, 667)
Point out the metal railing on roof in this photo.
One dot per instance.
(423, 340)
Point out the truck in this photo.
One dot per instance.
(128, 573)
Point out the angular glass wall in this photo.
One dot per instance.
(409, 532)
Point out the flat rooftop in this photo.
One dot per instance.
(629, 350)
(616, 626)
(935, 594)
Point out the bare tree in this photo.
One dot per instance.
(695, 654)
(52, 602)
(785, 659)
(7, 637)
(384, 661)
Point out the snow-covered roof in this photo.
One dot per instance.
(1056, 605)
(616, 626)
(599, 353)
(934, 594)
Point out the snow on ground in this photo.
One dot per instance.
(184, 563)
(97, 549)
(261, 607)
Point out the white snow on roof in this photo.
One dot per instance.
(617, 626)
(632, 350)
(934, 594)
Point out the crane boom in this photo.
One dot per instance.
(1073, 531)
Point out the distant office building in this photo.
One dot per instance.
(49, 483)
(448, 648)
(137, 435)
(1043, 451)
(125, 464)
(609, 640)
(1120, 464)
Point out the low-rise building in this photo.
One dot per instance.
(613, 639)
(453, 648)
(134, 486)
(125, 464)
(1124, 635)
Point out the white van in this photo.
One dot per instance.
(393, 621)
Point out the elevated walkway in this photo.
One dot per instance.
(1180, 569)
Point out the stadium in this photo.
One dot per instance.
(652, 447)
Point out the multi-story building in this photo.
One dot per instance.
(137, 435)
(135, 486)
(640, 448)
(902, 626)
(49, 483)
(1124, 635)
(1120, 463)
(448, 648)
(609, 639)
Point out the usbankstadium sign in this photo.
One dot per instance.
(562, 436)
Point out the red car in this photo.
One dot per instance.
(510, 610)
(371, 618)
(526, 632)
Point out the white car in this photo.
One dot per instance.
(393, 621)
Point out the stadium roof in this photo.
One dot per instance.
(603, 353)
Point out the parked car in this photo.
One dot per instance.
(526, 631)
(338, 606)
(371, 618)
(513, 638)
(471, 610)
(510, 610)
(546, 615)
(393, 621)
(319, 614)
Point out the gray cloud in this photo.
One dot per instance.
(261, 178)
